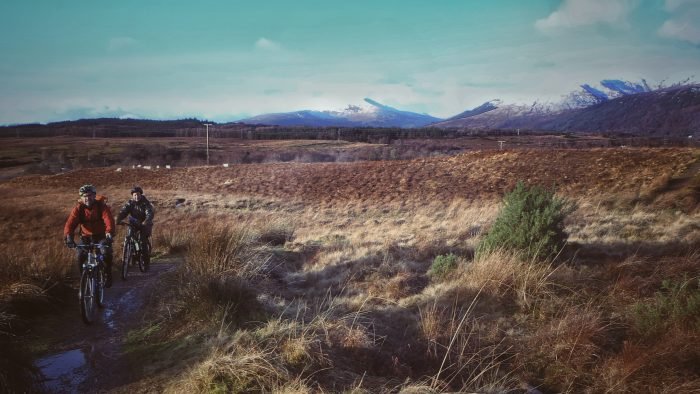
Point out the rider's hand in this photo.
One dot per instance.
(108, 239)
(69, 241)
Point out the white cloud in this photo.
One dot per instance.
(265, 44)
(680, 30)
(684, 23)
(672, 5)
(119, 43)
(575, 13)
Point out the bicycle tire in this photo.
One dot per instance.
(143, 266)
(126, 259)
(87, 297)
(147, 253)
(100, 287)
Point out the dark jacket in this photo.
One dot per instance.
(96, 220)
(143, 211)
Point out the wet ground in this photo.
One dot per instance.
(90, 358)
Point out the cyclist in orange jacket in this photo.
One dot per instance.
(94, 217)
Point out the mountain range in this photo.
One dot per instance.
(671, 111)
(619, 106)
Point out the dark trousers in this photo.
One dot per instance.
(143, 235)
(106, 252)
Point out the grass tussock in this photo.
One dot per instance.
(215, 278)
(239, 365)
(502, 273)
(39, 263)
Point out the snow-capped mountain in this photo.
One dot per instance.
(496, 115)
(620, 107)
(368, 114)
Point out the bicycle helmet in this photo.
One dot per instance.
(136, 189)
(85, 189)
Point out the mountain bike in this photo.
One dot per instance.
(92, 281)
(134, 252)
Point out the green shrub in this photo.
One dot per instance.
(677, 303)
(531, 222)
(442, 264)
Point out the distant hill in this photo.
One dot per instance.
(369, 114)
(113, 127)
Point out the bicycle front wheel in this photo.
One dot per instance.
(126, 259)
(143, 257)
(147, 255)
(87, 297)
(100, 287)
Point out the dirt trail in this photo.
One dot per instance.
(91, 358)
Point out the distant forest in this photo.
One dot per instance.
(132, 128)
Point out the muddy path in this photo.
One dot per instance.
(92, 358)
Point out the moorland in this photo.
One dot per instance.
(336, 266)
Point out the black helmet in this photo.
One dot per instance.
(85, 189)
(136, 189)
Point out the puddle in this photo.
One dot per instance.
(109, 319)
(63, 371)
(130, 302)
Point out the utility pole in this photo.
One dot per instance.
(208, 124)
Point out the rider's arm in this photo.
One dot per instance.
(108, 220)
(124, 212)
(72, 222)
(149, 212)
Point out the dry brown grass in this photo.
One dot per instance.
(503, 273)
(533, 323)
(331, 261)
(238, 365)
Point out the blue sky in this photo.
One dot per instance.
(225, 60)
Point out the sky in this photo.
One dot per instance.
(224, 60)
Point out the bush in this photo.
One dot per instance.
(678, 303)
(531, 222)
(442, 264)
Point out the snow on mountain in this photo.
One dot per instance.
(496, 114)
(368, 114)
(622, 107)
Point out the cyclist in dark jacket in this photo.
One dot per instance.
(141, 212)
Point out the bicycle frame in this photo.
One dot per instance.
(92, 281)
(133, 249)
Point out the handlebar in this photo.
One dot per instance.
(130, 224)
(89, 246)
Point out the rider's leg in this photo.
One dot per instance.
(108, 267)
(81, 254)
(107, 253)
(145, 235)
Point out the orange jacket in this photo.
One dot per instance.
(94, 220)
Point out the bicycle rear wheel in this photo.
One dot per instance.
(126, 259)
(87, 297)
(100, 281)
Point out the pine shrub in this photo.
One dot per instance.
(531, 222)
(442, 264)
